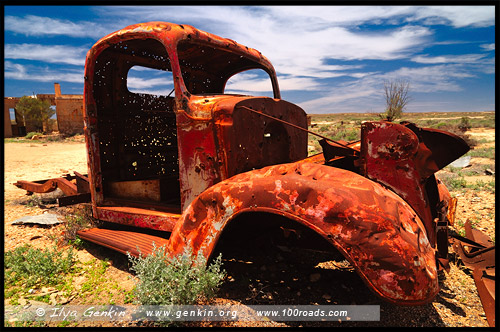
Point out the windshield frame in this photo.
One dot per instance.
(218, 72)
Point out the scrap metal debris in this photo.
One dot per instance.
(477, 252)
(41, 219)
(462, 162)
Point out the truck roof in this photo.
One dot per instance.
(170, 34)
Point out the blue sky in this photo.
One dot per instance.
(330, 59)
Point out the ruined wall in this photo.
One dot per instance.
(69, 110)
(18, 129)
(8, 103)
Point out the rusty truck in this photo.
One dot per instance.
(190, 163)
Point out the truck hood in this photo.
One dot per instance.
(207, 106)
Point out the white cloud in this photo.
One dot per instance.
(248, 83)
(488, 47)
(339, 15)
(31, 73)
(465, 58)
(300, 53)
(138, 83)
(31, 25)
(291, 83)
(439, 78)
(486, 66)
(366, 93)
(298, 40)
(47, 53)
(14, 70)
(340, 101)
(457, 16)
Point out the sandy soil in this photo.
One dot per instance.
(39, 161)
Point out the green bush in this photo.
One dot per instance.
(345, 134)
(30, 266)
(464, 124)
(482, 153)
(75, 222)
(31, 134)
(483, 186)
(456, 183)
(181, 280)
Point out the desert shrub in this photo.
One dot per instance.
(55, 138)
(453, 181)
(483, 186)
(345, 134)
(464, 124)
(33, 201)
(31, 134)
(397, 97)
(81, 219)
(30, 266)
(455, 129)
(483, 153)
(181, 280)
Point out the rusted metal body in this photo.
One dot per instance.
(190, 165)
(75, 188)
(477, 252)
(377, 231)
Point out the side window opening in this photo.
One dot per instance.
(253, 82)
(150, 81)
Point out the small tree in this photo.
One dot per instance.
(396, 98)
(34, 111)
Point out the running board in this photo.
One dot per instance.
(125, 242)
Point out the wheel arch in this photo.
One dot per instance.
(374, 229)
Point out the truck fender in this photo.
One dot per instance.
(376, 230)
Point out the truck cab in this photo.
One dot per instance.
(157, 152)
